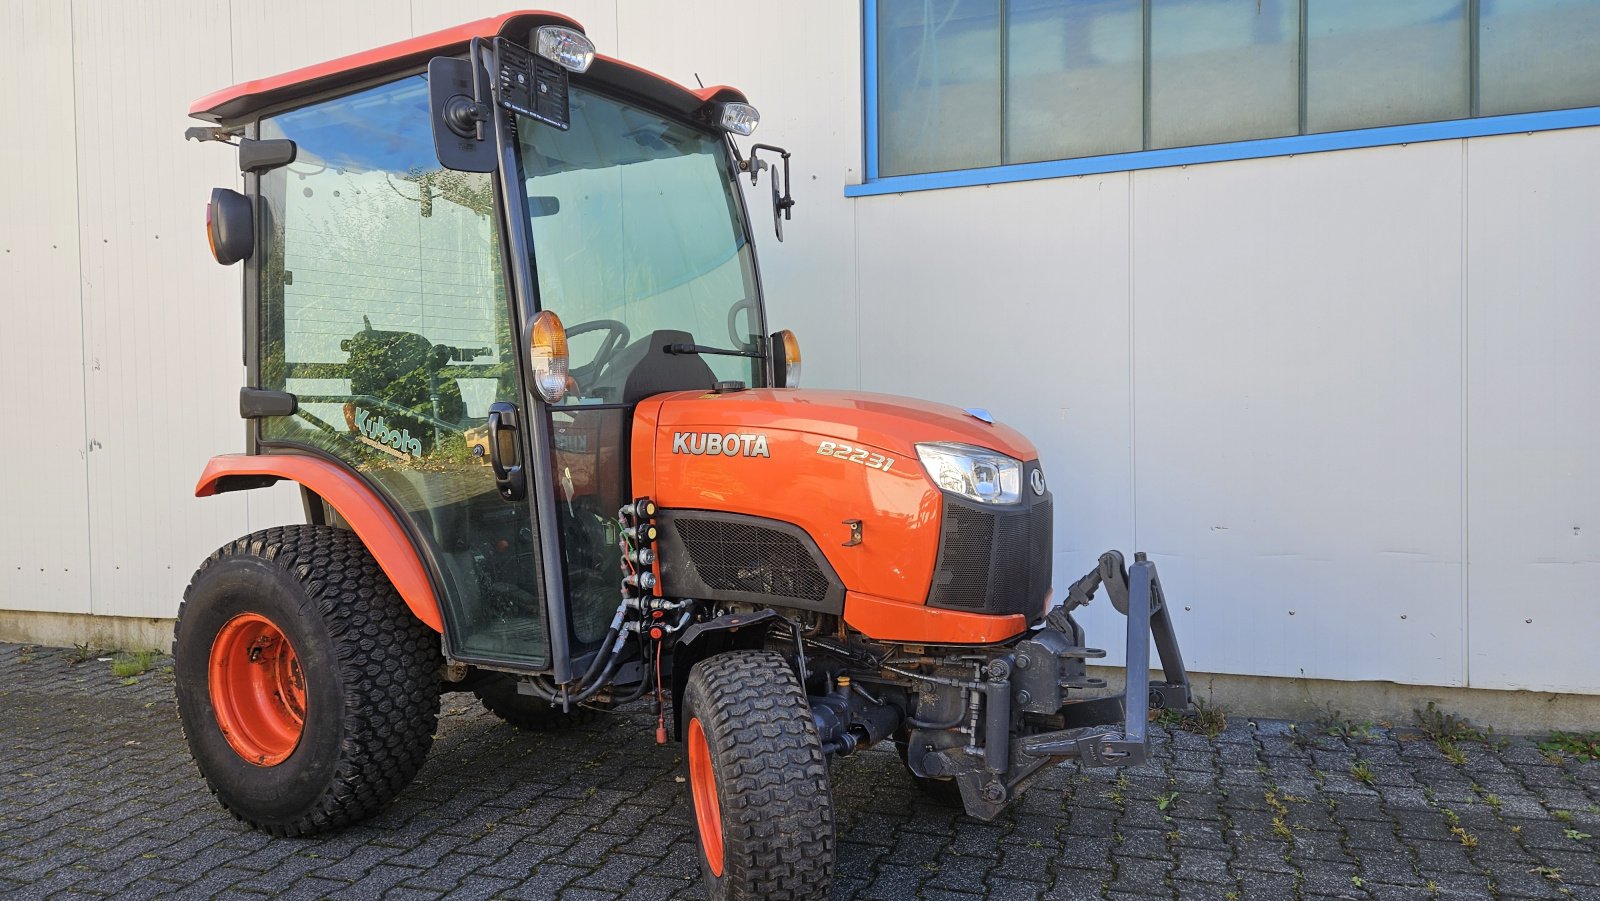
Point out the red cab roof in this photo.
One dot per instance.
(247, 98)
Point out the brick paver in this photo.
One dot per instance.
(98, 798)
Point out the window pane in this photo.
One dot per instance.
(1073, 78)
(1538, 55)
(1223, 70)
(938, 85)
(1385, 62)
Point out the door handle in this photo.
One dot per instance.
(508, 477)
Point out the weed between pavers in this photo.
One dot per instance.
(1336, 724)
(135, 663)
(1446, 731)
(1205, 719)
(1577, 745)
(1362, 772)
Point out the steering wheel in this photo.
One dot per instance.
(744, 306)
(615, 339)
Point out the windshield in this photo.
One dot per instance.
(638, 243)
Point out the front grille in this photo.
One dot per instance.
(736, 556)
(994, 560)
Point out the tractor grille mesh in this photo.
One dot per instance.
(993, 561)
(732, 556)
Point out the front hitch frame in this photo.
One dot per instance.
(1136, 592)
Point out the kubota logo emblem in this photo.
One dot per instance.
(733, 444)
(1037, 481)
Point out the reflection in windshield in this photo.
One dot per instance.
(636, 233)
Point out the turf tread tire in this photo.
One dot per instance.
(772, 778)
(385, 660)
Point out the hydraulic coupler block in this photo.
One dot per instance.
(1046, 665)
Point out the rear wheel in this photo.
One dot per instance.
(499, 695)
(763, 804)
(308, 691)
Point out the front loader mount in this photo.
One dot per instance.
(1026, 692)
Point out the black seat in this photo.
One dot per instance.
(644, 368)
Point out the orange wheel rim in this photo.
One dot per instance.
(707, 813)
(257, 689)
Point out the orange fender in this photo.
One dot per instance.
(356, 502)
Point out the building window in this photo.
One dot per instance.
(977, 84)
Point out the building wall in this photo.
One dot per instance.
(1346, 400)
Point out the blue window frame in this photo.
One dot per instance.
(969, 92)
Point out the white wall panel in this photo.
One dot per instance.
(598, 17)
(1533, 460)
(44, 520)
(273, 36)
(162, 327)
(957, 308)
(802, 71)
(1298, 410)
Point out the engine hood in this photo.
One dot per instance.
(884, 421)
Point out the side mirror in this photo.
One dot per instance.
(782, 203)
(459, 113)
(230, 226)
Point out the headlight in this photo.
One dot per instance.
(973, 472)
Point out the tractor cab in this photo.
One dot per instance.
(503, 324)
(473, 343)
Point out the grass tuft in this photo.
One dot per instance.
(129, 664)
(1362, 772)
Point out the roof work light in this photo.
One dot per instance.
(565, 47)
(740, 118)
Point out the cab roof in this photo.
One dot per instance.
(246, 99)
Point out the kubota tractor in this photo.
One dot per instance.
(638, 504)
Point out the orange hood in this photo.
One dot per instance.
(884, 421)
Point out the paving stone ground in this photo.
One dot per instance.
(98, 798)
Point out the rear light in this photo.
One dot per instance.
(547, 356)
(565, 47)
(785, 359)
(740, 118)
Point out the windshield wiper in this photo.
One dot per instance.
(702, 349)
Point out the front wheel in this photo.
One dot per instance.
(307, 690)
(763, 805)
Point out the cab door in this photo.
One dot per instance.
(384, 309)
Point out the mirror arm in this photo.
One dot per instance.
(787, 202)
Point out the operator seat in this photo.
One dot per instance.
(646, 369)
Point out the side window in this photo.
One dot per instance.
(383, 308)
(383, 311)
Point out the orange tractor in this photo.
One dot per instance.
(636, 505)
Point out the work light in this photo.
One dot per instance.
(977, 473)
(547, 356)
(740, 118)
(565, 47)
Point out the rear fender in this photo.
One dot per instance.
(354, 500)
